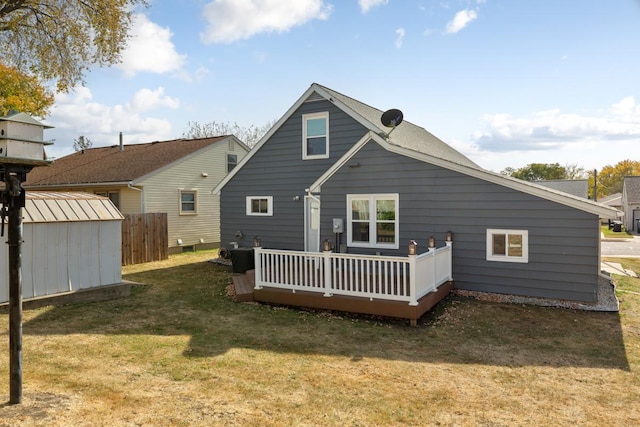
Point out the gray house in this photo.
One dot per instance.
(330, 171)
(631, 202)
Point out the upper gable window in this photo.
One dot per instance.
(232, 162)
(315, 136)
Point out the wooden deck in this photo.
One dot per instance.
(244, 290)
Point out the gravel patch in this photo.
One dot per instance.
(607, 300)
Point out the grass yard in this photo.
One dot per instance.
(180, 352)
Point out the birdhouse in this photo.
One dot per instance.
(21, 140)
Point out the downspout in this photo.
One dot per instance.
(130, 186)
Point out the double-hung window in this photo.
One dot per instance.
(259, 205)
(507, 245)
(372, 220)
(188, 202)
(315, 136)
(232, 161)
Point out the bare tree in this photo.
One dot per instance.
(249, 135)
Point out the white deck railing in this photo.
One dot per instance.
(369, 276)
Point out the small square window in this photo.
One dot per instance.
(114, 196)
(508, 245)
(188, 202)
(259, 205)
(315, 136)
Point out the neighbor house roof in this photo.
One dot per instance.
(614, 200)
(116, 164)
(631, 188)
(577, 187)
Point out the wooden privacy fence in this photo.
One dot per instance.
(144, 238)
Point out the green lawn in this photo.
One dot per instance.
(180, 352)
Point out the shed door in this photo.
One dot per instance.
(312, 224)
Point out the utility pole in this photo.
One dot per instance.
(595, 185)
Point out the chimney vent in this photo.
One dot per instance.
(121, 144)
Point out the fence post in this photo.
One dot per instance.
(326, 274)
(413, 277)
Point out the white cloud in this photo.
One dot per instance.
(76, 114)
(553, 129)
(461, 20)
(366, 5)
(231, 20)
(150, 49)
(400, 37)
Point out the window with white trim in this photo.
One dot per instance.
(315, 136)
(232, 162)
(259, 205)
(372, 220)
(507, 245)
(188, 202)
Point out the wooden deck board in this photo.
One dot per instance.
(243, 288)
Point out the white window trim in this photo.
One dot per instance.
(506, 258)
(269, 212)
(306, 117)
(372, 221)
(234, 165)
(195, 202)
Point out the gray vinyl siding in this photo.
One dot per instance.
(278, 170)
(563, 241)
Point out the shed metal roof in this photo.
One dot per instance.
(43, 206)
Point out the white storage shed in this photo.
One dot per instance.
(72, 242)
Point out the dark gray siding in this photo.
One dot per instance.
(278, 170)
(563, 241)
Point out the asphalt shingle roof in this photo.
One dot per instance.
(632, 188)
(110, 164)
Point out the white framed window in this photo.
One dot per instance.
(232, 161)
(188, 202)
(372, 220)
(507, 245)
(260, 205)
(315, 136)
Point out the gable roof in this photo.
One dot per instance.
(406, 135)
(113, 165)
(614, 199)
(631, 189)
(476, 172)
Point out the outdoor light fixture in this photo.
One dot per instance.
(412, 247)
(432, 242)
(449, 236)
(326, 245)
(257, 242)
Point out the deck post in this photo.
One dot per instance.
(413, 277)
(326, 265)
(449, 243)
(258, 265)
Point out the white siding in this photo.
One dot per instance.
(200, 173)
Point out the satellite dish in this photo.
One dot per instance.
(391, 118)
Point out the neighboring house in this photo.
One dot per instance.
(330, 162)
(614, 200)
(173, 176)
(575, 187)
(631, 202)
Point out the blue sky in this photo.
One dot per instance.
(507, 83)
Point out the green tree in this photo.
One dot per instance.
(60, 39)
(22, 92)
(249, 135)
(537, 172)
